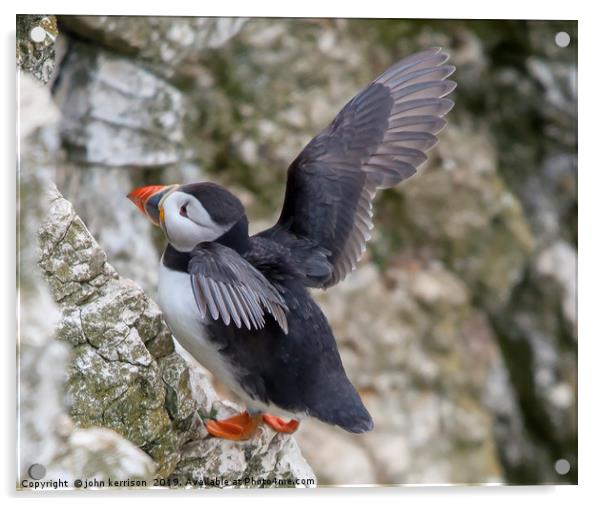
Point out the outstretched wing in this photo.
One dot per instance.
(226, 286)
(376, 141)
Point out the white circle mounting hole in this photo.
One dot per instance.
(562, 466)
(562, 39)
(37, 34)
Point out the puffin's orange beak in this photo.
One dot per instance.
(147, 199)
(140, 195)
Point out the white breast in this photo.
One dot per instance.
(180, 311)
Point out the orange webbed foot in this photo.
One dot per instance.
(279, 425)
(237, 428)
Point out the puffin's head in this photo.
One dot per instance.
(191, 213)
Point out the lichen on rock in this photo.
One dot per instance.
(36, 34)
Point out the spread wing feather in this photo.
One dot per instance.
(376, 141)
(229, 288)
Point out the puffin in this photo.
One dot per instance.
(241, 305)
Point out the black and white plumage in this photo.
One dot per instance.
(378, 139)
(227, 286)
(240, 304)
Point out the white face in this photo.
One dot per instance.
(186, 222)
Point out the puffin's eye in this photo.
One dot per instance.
(183, 211)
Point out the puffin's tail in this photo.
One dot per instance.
(340, 404)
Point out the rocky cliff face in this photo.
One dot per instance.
(109, 396)
(459, 328)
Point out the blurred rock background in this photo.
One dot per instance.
(459, 327)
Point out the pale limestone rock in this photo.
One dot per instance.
(559, 262)
(324, 443)
(225, 462)
(41, 376)
(117, 113)
(101, 454)
(410, 331)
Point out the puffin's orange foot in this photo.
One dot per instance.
(279, 425)
(237, 427)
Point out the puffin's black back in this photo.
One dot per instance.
(300, 371)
